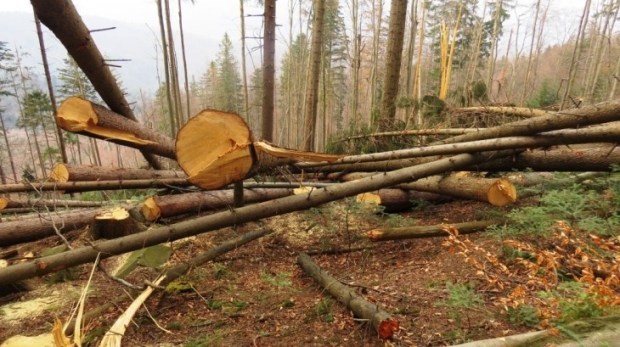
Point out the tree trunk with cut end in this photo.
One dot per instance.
(505, 111)
(84, 117)
(73, 187)
(105, 249)
(113, 223)
(6, 203)
(156, 207)
(396, 200)
(79, 173)
(383, 323)
(215, 148)
(419, 232)
(64, 21)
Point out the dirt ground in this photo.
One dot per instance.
(257, 295)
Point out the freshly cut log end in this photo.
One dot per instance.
(214, 149)
(78, 115)
(79, 173)
(501, 193)
(375, 234)
(59, 173)
(387, 328)
(113, 223)
(150, 210)
(4, 202)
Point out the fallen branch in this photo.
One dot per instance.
(383, 323)
(215, 221)
(419, 232)
(504, 111)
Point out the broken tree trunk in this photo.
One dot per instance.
(396, 200)
(6, 203)
(215, 148)
(504, 111)
(74, 187)
(226, 218)
(156, 207)
(74, 173)
(383, 323)
(497, 192)
(419, 232)
(46, 225)
(84, 117)
(608, 132)
(64, 21)
(595, 114)
(593, 157)
(113, 223)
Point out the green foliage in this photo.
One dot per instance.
(213, 339)
(221, 271)
(323, 310)
(525, 315)
(479, 91)
(575, 302)
(227, 88)
(545, 96)
(279, 280)
(462, 298)
(73, 82)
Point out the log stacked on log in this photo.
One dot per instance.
(30, 204)
(79, 173)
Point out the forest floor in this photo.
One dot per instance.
(441, 290)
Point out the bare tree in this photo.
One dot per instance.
(269, 52)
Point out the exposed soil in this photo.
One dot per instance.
(257, 295)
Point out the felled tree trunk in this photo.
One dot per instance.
(37, 228)
(505, 111)
(75, 173)
(414, 132)
(61, 17)
(396, 200)
(156, 207)
(73, 187)
(419, 232)
(113, 223)
(215, 221)
(383, 323)
(84, 117)
(6, 203)
(216, 148)
(497, 192)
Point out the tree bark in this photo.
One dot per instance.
(417, 132)
(80, 173)
(156, 207)
(84, 117)
(505, 111)
(199, 225)
(69, 187)
(63, 20)
(396, 200)
(113, 223)
(51, 204)
(383, 323)
(394, 53)
(312, 95)
(420, 232)
(269, 53)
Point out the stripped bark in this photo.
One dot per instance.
(383, 323)
(419, 232)
(156, 207)
(63, 20)
(85, 117)
(80, 173)
(73, 187)
(215, 221)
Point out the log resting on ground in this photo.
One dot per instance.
(30, 204)
(73, 187)
(383, 323)
(113, 223)
(419, 232)
(74, 173)
(84, 117)
(397, 200)
(226, 218)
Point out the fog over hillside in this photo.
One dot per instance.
(127, 41)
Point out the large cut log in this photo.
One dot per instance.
(497, 192)
(30, 204)
(419, 232)
(216, 148)
(84, 117)
(74, 173)
(73, 187)
(608, 132)
(396, 200)
(595, 114)
(156, 207)
(505, 111)
(113, 223)
(61, 17)
(382, 321)
(46, 225)
(593, 157)
(226, 218)
(412, 132)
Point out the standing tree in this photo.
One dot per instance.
(37, 114)
(398, 14)
(313, 76)
(5, 57)
(269, 53)
(227, 87)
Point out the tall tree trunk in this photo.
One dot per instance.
(62, 19)
(417, 78)
(164, 45)
(394, 54)
(413, 24)
(50, 88)
(526, 84)
(356, 21)
(313, 76)
(576, 52)
(37, 146)
(185, 77)
(269, 51)
(499, 6)
(8, 148)
(377, 22)
(244, 74)
(174, 71)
